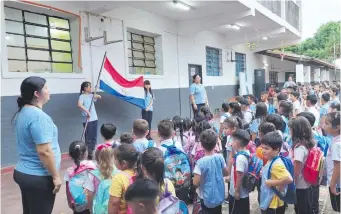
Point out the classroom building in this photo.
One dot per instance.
(167, 42)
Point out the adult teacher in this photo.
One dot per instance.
(36, 171)
(198, 95)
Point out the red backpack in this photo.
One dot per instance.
(314, 166)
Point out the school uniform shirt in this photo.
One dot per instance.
(141, 144)
(254, 126)
(297, 107)
(241, 165)
(34, 127)
(228, 147)
(85, 100)
(334, 154)
(324, 110)
(147, 100)
(210, 168)
(247, 116)
(335, 100)
(253, 107)
(301, 154)
(199, 93)
(224, 116)
(314, 111)
(170, 142)
(119, 185)
(267, 197)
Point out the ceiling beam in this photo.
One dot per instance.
(189, 27)
(253, 38)
(270, 46)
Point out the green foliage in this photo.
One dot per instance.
(321, 46)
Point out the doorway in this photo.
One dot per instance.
(292, 74)
(260, 84)
(193, 70)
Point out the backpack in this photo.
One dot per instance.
(290, 195)
(169, 204)
(271, 109)
(314, 166)
(251, 147)
(199, 151)
(150, 144)
(178, 170)
(190, 142)
(75, 188)
(322, 142)
(251, 179)
(101, 193)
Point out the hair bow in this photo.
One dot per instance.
(103, 146)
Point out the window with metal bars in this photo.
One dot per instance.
(213, 61)
(240, 63)
(141, 54)
(37, 42)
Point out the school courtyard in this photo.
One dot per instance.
(11, 198)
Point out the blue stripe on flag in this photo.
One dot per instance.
(133, 100)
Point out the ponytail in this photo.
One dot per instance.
(153, 162)
(83, 86)
(77, 150)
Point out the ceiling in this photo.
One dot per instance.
(199, 9)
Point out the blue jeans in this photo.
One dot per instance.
(91, 136)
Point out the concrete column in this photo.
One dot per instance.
(317, 74)
(327, 75)
(323, 75)
(306, 74)
(299, 73)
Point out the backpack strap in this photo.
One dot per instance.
(272, 162)
(234, 164)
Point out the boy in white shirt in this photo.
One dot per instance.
(311, 107)
(165, 130)
(296, 103)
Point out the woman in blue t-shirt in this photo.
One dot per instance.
(36, 171)
(198, 96)
(90, 119)
(147, 113)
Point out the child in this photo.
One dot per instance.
(239, 196)
(264, 98)
(78, 152)
(247, 113)
(179, 124)
(189, 135)
(126, 157)
(209, 118)
(334, 107)
(224, 115)
(235, 110)
(279, 175)
(324, 104)
(104, 157)
(334, 92)
(141, 196)
(140, 130)
(89, 115)
(296, 103)
(108, 132)
(302, 139)
(209, 175)
(126, 138)
(252, 102)
(231, 124)
(285, 110)
(261, 113)
(152, 166)
(165, 130)
(332, 127)
(311, 102)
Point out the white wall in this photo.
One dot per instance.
(275, 64)
(177, 51)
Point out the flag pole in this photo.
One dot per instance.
(93, 96)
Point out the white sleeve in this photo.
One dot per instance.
(197, 169)
(89, 183)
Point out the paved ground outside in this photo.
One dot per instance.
(11, 198)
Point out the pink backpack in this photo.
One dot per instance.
(199, 151)
(190, 136)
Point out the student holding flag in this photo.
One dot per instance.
(90, 119)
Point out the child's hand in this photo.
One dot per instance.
(237, 195)
(333, 190)
(268, 183)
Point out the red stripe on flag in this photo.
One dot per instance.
(121, 80)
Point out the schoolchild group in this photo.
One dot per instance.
(285, 147)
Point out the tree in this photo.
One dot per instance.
(321, 46)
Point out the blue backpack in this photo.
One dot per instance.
(252, 178)
(75, 188)
(101, 193)
(271, 109)
(178, 170)
(290, 195)
(169, 204)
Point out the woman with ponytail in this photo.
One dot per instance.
(37, 168)
(85, 99)
(77, 175)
